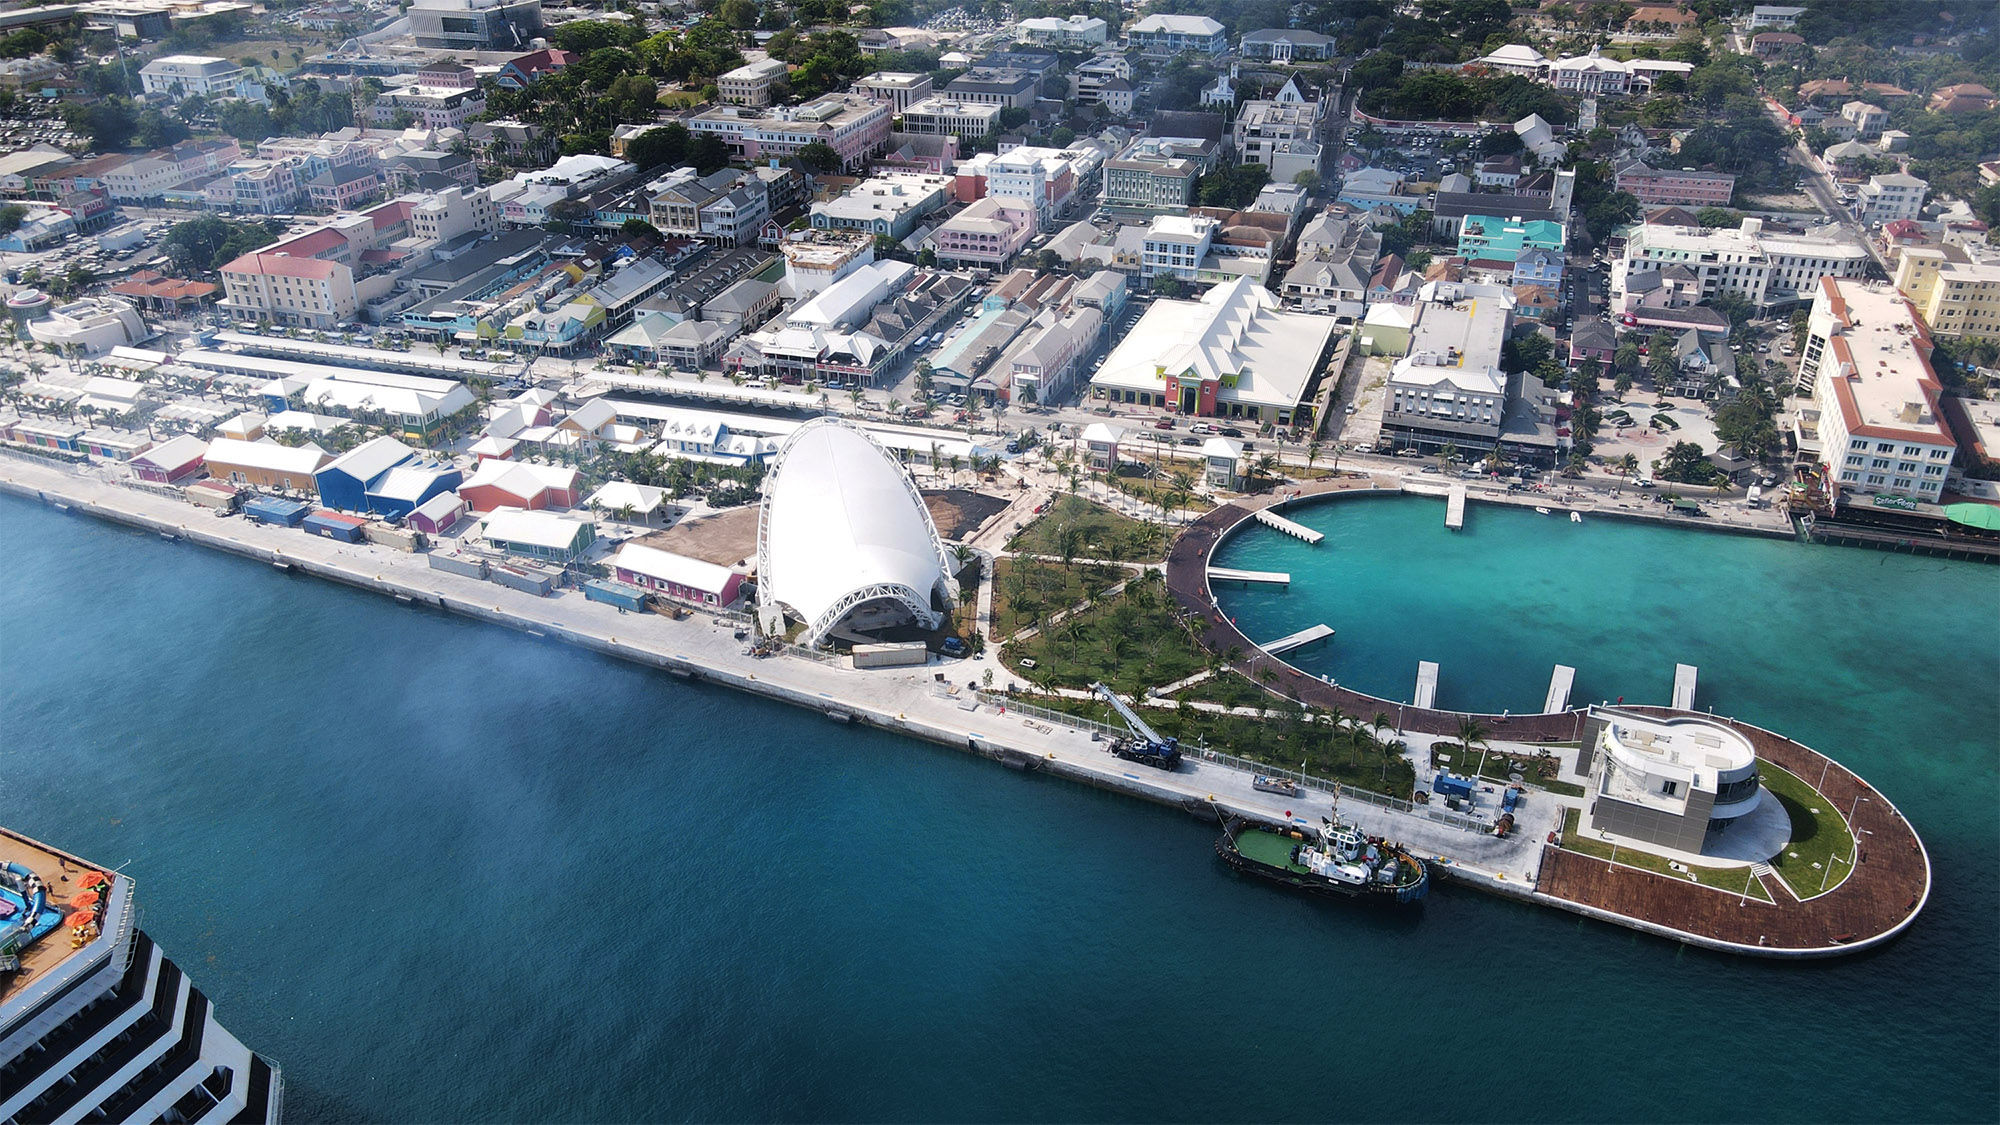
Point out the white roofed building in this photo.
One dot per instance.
(1450, 388)
(1231, 354)
(1875, 396)
(1164, 36)
(845, 543)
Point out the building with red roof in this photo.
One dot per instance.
(1879, 428)
(523, 71)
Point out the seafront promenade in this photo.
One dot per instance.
(1881, 898)
(917, 702)
(909, 701)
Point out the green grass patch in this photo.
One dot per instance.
(1721, 878)
(1088, 530)
(1347, 754)
(1230, 689)
(1132, 642)
(1822, 846)
(1027, 590)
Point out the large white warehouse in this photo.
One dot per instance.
(844, 541)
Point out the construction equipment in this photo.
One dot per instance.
(1145, 744)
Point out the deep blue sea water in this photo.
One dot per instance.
(442, 871)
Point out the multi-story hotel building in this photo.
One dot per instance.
(1955, 295)
(897, 88)
(949, 117)
(1764, 269)
(1164, 36)
(752, 83)
(1660, 187)
(1868, 359)
(855, 127)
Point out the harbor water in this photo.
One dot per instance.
(443, 871)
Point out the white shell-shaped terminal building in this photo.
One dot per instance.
(844, 541)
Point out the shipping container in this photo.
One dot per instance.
(270, 509)
(526, 577)
(890, 655)
(212, 494)
(466, 565)
(624, 595)
(1446, 785)
(389, 535)
(333, 525)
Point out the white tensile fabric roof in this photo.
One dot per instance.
(841, 519)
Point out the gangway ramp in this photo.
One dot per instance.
(1299, 639)
(1454, 508)
(1226, 574)
(1270, 518)
(1683, 687)
(1427, 683)
(1559, 688)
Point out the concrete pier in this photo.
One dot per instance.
(1269, 577)
(1559, 689)
(1299, 639)
(1454, 508)
(1683, 687)
(1427, 684)
(1296, 530)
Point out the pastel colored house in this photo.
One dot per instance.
(171, 461)
(539, 535)
(677, 576)
(343, 482)
(405, 488)
(437, 515)
(264, 464)
(524, 484)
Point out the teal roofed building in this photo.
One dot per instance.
(1484, 238)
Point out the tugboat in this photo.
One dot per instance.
(1332, 859)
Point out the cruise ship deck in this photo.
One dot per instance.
(96, 1023)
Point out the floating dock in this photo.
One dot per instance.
(1269, 518)
(1427, 683)
(1559, 688)
(1683, 687)
(1271, 577)
(1454, 507)
(1299, 639)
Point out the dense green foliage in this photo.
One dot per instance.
(205, 244)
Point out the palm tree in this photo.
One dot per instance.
(1312, 452)
(1469, 732)
(1628, 464)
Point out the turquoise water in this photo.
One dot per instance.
(447, 872)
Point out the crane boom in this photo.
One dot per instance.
(1133, 722)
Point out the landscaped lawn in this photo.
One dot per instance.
(1721, 878)
(1026, 590)
(1230, 690)
(1100, 533)
(1347, 754)
(1820, 835)
(1132, 642)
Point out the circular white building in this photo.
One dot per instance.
(1669, 781)
(90, 326)
(844, 542)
